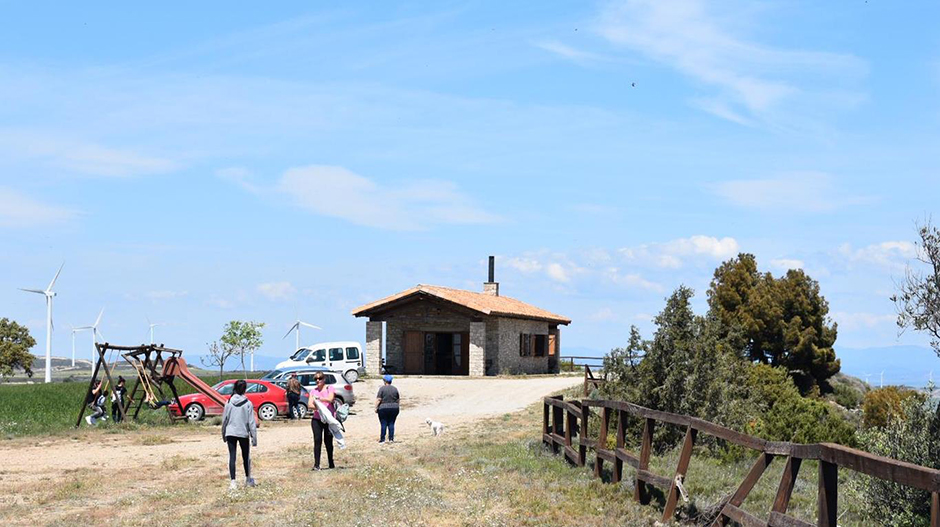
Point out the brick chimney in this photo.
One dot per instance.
(491, 286)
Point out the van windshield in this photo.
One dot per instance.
(301, 354)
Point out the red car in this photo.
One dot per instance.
(269, 400)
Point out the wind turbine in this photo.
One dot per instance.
(49, 294)
(867, 375)
(296, 327)
(94, 337)
(152, 325)
(74, 331)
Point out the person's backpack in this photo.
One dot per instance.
(342, 412)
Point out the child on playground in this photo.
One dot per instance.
(97, 400)
(117, 399)
(238, 425)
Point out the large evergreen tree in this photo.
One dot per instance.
(781, 321)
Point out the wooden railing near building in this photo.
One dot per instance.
(564, 421)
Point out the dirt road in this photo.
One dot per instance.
(458, 403)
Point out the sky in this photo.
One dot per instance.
(195, 164)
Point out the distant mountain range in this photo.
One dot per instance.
(906, 365)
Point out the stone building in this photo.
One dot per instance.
(434, 330)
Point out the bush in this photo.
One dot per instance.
(884, 404)
(846, 393)
(912, 435)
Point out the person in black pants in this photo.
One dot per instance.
(386, 405)
(238, 427)
(321, 432)
(117, 399)
(293, 396)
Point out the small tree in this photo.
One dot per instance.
(918, 297)
(15, 343)
(240, 338)
(217, 357)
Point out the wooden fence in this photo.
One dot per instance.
(562, 420)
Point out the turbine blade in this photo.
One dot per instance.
(311, 325)
(33, 291)
(292, 328)
(98, 321)
(56, 277)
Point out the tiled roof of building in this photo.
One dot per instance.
(484, 303)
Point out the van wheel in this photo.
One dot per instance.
(351, 376)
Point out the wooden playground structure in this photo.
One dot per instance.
(156, 367)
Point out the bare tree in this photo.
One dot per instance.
(918, 297)
(217, 357)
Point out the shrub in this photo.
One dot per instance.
(883, 404)
(912, 435)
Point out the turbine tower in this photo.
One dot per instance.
(296, 328)
(74, 331)
(49, 294)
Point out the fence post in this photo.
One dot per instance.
(585, 387)
(787, 481)
(828, 494)
(934, 509)
(544, 420)
(601, 441)
(582, 431)
(681, 468)
(621, 432)
(558, 424)
(640, 492)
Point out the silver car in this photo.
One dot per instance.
(307, 377)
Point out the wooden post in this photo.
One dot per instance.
(640, 492)
(582, 432)
(934, 509)
(558, 425)
(681, 468)
(586, 371)
(621, 431)
(545, 411)
(787, 481)
(753, 476)
(828, 497)
(601, 441)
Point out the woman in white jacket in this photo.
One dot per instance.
(238, 426)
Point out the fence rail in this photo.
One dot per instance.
(564, 421)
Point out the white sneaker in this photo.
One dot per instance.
(250, 482)
(88, 419)
(233, 485)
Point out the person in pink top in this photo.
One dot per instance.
(321, 432)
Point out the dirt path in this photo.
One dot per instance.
(458, 403)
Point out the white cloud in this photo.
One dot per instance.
(785, 264)
(241, 176)
(748, 80)
(892, 255)
(277, 290)
(220, 303)
(525, 265)
(672, 254)
(18, 210)
(337, 192)
(567, 52)
(165, 295)
(793, 192)
(855, 321)
(557, 272)
(631, 280)
(83, 157)
(604, 314)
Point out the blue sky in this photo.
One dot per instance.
(197, 164)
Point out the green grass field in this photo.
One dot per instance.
(36, 409)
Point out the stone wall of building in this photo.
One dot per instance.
(492, 345)
(421, 316)
(477, 349)
(373, 348)
(509, 361)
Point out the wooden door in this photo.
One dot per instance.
(551, 344)
(414, 352)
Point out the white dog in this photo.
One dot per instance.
(437, 428)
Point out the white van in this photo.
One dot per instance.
(344, 357)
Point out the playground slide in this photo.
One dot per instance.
(176, 366)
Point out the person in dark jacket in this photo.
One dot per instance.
(386, 405)
(117, 399)
(238, 426)
(293, 396)
(96, 402)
